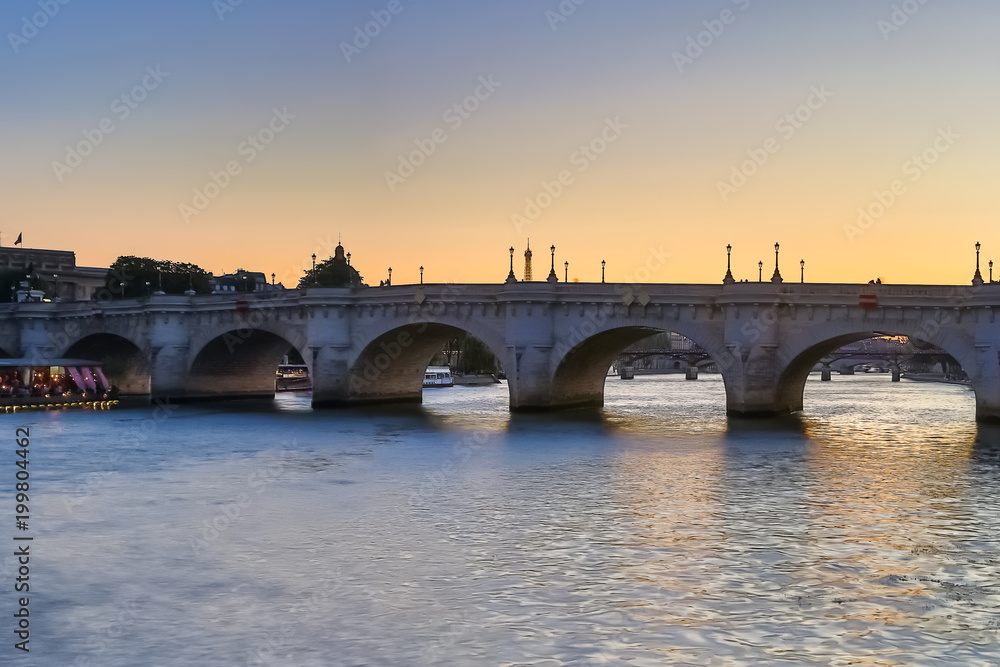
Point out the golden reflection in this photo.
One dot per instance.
(887, 481)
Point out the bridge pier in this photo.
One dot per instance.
(691, 373)
(329, 374)
(826, 373)
(987, 388)
(168, 378)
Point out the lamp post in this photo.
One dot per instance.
(776, 278)
(728, 280)
(602, 271)
(389, 281)
(991, 270)
(421, 275)
(348, 259)
(802, 266)
(977, 279)
(760, 271)
(147, 289)
(553, 278)
(314, 262)
(272, 279)
(511, 278)
(55, 277)
(566, 274)
(244, 283)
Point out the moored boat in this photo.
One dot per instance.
(292, 377)
(438, 376)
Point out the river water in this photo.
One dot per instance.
(656, 532)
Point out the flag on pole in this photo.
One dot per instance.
(18, 241)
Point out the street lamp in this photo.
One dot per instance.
(244, 283)
(55, 277)
(602, 271)
(566, 274)
(389, 281)
(760, 271)
(348, 259)
(991, 270)
(776, 278)
(977, 279)
(552, 271)
(728, 279)
(272, 279)
(802, 265)
(421, 275)
(314, 262)
(511, 278)
(147, 288)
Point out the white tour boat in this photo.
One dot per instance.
(438, 376)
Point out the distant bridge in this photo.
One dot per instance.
(555, 341)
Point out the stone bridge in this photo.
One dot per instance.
(555, 341)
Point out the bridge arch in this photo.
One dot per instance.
(238, 363)
(580, 372)
(801, 355)
(124, 363)
(392, 358)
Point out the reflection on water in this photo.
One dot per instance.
(653, 532)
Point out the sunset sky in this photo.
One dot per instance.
(675, 127)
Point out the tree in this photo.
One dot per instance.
(475, 357)
(333, 272)
(128, 276)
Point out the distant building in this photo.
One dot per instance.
(57, 268)
(242, 281)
